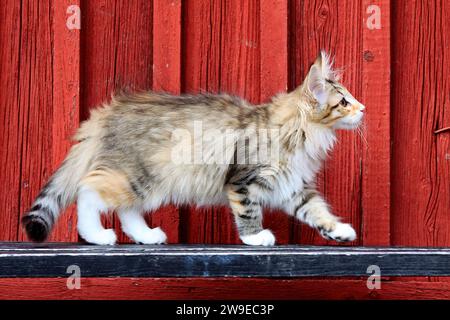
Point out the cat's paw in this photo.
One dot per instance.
(341, 232)
(151, 236)
(263, 238)
(103, 237)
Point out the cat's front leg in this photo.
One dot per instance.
(248, 217)
(309, 207)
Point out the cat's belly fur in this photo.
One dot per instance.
(202, 185)
(205, 185)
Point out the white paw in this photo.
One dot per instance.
(103, 237)
(342, 232)
(263, 238)
(151, 236)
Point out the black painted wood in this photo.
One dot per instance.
(52, 260)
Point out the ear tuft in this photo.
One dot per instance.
(327, 66)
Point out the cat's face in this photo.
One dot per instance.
(335, 107)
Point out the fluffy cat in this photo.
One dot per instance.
(143, 151)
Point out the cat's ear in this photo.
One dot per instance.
(316, 81)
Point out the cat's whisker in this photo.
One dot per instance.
(362, 133)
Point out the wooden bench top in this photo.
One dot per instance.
(54, 259)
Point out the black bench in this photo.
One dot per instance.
(53, 260)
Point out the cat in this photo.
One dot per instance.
(127, 160)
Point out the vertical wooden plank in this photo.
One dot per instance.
(10, 143)
(201, 45)
(167, 45)
(116, 53)
(274, 47)
(336, 27)
(98, 48)
(35, 97)
(202, 39)
(66, 100)
(274, 79)
(376, 79)
(420, 157)
(39, 108)
(239, 74)
(240, 51)
(221, 48)
(167, 77)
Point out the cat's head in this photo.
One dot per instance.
(334, 106)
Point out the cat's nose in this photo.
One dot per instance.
(361, 107)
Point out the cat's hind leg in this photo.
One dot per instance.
(248, 217)
(99, 191)
(90, 205)
(135, 227)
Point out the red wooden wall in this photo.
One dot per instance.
(392, 184)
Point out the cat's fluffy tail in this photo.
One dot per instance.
(59, 192)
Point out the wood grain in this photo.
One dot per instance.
(167, 77)
(43, 105)
(376, 95)
(116, 53)
(202, 73)
(52, 260)
(33, 104)
(66, 102)
(421, 165)
(274, 48)
(273, 80)
(218, 289)
(336, 27)
(420, 161)
(221, 53)
(10, 132)
(167, 46)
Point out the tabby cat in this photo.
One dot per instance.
(144, 150)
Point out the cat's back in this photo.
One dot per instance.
(154, 103)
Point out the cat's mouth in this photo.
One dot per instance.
(350, 122)
(357, 119)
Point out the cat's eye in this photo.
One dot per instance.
(344, 102)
